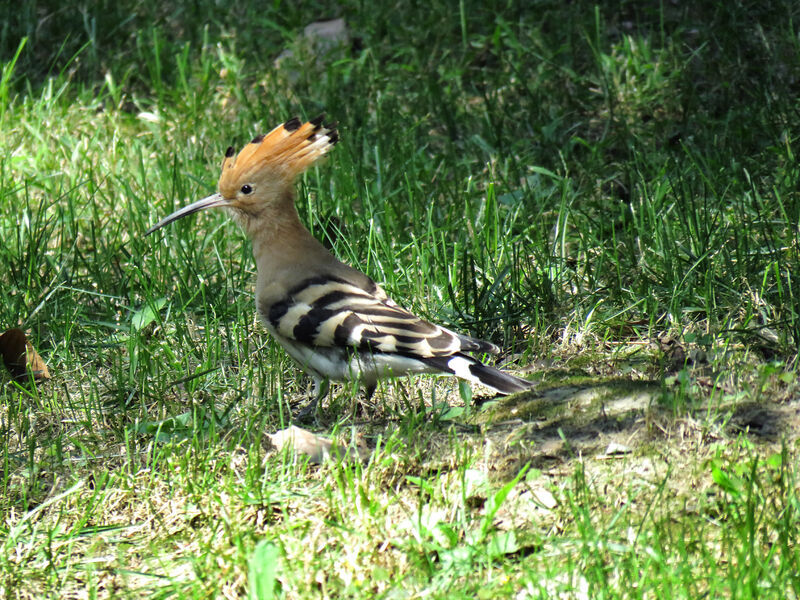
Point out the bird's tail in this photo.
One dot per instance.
(285, 152)
(466, 367)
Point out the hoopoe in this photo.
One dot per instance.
(330, 318)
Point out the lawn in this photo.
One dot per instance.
(607, 191)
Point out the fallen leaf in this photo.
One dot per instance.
(20, 357)
(316, 448)
(616, 449)
(302, 442)
(543, 497)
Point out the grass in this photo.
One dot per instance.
(608, 192)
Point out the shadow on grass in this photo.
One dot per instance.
(613, 417)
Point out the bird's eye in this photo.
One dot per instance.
(246, 189)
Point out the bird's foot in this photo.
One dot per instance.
(309, 412)
(306, 414)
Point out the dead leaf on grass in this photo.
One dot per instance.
(316, 448)
(615, 450)
(20, 357)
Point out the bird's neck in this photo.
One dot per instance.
(282, 246)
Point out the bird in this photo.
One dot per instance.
(332, 319)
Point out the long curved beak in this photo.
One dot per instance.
(209, 202)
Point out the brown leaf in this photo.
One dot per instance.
(302, 442)
(20, 357)
(317, 449)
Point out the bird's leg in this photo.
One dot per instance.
(319, 391)
(369, 391)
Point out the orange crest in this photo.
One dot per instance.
(280, 155)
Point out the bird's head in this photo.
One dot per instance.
(263, 172)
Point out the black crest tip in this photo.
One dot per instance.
(317, 120)
(257, 139)
(229, 152)
(292, 124)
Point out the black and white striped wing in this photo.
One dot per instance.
(331, 312)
